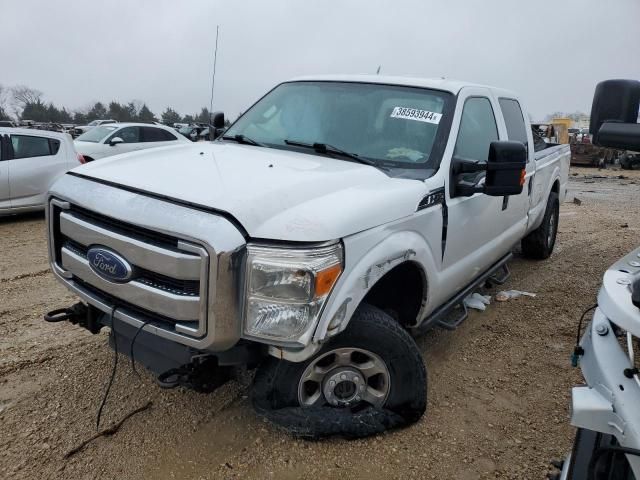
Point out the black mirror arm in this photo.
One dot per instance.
(462, 165)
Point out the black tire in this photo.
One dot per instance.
(539, 243)
(625, 163)
(275, 389)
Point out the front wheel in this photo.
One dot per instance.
(539, 243)
(366, 380)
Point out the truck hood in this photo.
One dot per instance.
(274, 194)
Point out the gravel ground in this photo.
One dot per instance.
(499, 385)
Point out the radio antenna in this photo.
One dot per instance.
(213, 77)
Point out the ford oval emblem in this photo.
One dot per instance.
(109, 265)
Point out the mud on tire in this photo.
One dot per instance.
(275, 393)
(539, 243)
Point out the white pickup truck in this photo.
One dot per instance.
(336, 218)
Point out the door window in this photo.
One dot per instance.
(514, 120)
(152, 134)
(27, 146)
(127, 134)
(478, 129)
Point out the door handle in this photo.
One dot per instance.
(530, 187)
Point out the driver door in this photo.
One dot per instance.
(475, 230)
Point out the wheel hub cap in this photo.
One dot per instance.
(343, 387)
(343, 377)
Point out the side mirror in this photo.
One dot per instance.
(115, 141)
(614, 114)
(218, 126)
(505, 171)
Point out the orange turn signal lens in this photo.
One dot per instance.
(523, 175)
(326, 279)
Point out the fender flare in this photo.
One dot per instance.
(555, 177)
(398, 248)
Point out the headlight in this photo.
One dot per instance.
(286, 290)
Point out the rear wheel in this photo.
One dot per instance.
(369, 378)
(539, 243)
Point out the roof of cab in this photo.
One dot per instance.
(445, 84)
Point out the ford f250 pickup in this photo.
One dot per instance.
(333, 221)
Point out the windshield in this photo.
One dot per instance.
(391, 125)
(96, 134)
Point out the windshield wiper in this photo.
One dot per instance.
(330, 149)
(243, 140)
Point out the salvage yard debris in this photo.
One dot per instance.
(511, 294)
(477, 301)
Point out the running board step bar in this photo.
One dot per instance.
(500, 276)
(446, 317)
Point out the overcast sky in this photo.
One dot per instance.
(161, 51)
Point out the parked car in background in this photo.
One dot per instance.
(96, 123)
(192, 132)
(30, 161)
(107, 140)
(630, 160)
(204, 135)
(7, 123)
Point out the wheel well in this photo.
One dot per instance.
(401, 293)
(556, 187)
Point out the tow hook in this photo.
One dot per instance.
(77, 314)
(203, 375)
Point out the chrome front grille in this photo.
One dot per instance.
(170, 281)
(177, 249)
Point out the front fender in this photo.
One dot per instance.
(372, 255)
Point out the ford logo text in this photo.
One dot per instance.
(109, 265)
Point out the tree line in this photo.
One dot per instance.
(23, 103)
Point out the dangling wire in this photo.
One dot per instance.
(133, 341)
(115, 366)
(578, 351)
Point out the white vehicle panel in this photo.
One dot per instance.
(27, 180)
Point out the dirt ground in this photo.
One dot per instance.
(499, 386)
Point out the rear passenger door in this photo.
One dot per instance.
(516, 207)
(36, 161)
(156, 137)
(5, 194)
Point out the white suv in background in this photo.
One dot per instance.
(96, 123)
(30, 161)
(108, 140)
